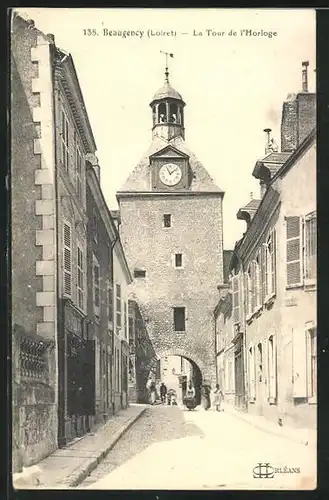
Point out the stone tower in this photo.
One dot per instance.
(171, 230)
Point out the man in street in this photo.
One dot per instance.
(163, 392)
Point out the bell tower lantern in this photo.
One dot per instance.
(167, 110)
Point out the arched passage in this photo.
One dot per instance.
(196, 375)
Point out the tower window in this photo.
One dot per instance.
(179, 319)
(178, 260)
(139, 273)
(167, 220)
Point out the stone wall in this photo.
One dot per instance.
(34, 314)
(196, 232)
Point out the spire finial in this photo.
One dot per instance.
(167, 71)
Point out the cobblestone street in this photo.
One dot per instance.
(170, 448)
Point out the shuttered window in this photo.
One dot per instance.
(310, 246)
(252, 374)
(125, 320)
(78, 174)
(235, 299)
(118, 305)
(272, 250)
(263, 272)
(258, 280)
(110, 304)
(299, 363)
(312, 363)
(65, 141)
(293, 251)
(96, 286)
(247, 292)
(67, 244)
(80, 271)
(252, 286)
(271, 368)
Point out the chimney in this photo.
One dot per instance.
(268, 140)
(251, 196)
(305, 65)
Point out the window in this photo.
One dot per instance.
(270, 265)
(117, 370)
(259, 363)
(312, 362)
(95, 226)
(167, 220)
(118, 305)
(310, 245)
(67, 244)
(293, 249)
(178, 260)
(65, 141)
(139, 273)
(80, 287)
(96, 286)
(179, 319)
(131, 329)
(272, 376)
(125, 319)
(110, 304)
(79, 174)
(236, 299)
(252, 374)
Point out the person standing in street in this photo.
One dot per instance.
(153, 392)
(218, 398)
(205, 394)
(163, 392)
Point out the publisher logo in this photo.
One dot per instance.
(263, 470)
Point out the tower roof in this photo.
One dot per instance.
(140, 179)
(167, 91)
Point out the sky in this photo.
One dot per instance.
(233, 85)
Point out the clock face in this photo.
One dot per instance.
(170, 174)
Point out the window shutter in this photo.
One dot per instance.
(246, 288)
(67, 260)
(299, 363)
(252, 372)
(253, 286)
(273, 394)
(263, 272)
(235, 298)
(273, 261)
(293, 249)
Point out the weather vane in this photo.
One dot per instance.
(167, 54)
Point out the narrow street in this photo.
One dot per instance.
(171, 448)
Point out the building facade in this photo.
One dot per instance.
(171, 229)
(34, 246)
(64, 377)
(273, 281)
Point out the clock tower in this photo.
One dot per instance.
(172, 232)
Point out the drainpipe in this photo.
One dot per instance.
(112, 347)
(235, 252)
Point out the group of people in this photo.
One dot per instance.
(190, 400)
(190, 395)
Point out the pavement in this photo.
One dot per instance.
(298, 435)
(170, 448)
(69, 466)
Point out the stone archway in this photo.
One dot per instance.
(184, 353)
(198, 376)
